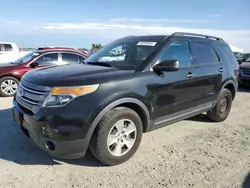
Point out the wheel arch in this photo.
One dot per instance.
(10, 75)
(231, 86)
(132, 103)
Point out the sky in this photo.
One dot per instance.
(79, 23)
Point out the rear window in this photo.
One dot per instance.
(228, 53)
(8, 47)
(205, 53)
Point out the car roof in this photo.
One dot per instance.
(158, 38)
(60, 50)
(8, 43)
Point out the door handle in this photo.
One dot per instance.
(221, 69)
(190, 75)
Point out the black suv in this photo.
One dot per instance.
(131, 86)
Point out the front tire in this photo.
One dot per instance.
(223, 107)
(8, 86)
(117, 136)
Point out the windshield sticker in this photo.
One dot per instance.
(146, 43)
(35, 54)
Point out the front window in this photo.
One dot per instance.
(26, 58)
(128, 54)
(48, 59)
(178, 50)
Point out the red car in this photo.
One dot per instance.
(11, 73)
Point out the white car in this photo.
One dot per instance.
(9, 52)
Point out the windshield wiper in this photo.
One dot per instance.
(100, 64)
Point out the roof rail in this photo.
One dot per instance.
(196, 35)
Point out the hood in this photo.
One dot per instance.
(76, 75)
(245, 65)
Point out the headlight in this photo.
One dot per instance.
(62, 95)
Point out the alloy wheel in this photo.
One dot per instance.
(121, 137)
(9, 87)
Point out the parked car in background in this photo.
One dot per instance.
(244, 76)
(107, 106)
(245, 57)
(12, 72)
(9, 52)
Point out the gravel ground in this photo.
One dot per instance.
(191, 153)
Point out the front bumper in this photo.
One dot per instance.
(64, 145)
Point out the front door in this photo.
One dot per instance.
(174, 92)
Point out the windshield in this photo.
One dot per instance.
(26, 58)
(126, 54)
(246, 57)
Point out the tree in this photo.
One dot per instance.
(96, 47)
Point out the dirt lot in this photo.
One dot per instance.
(191, 153)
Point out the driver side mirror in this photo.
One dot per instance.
(34, 64)
(167, 65)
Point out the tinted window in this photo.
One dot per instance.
(7, 47)
(178, 50)
(204, 53)
(70, 58)
(48, 59)
(228, 53)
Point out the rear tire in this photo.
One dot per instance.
(8, 86)
(111, 142)
(223, 107)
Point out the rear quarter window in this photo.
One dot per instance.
(228, 53)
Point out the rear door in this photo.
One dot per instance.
(210, 72)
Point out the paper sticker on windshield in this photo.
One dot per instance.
(35, 54)
(146, 43)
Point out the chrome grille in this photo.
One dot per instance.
(34, 86)
(30, 95)
(246, 72)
